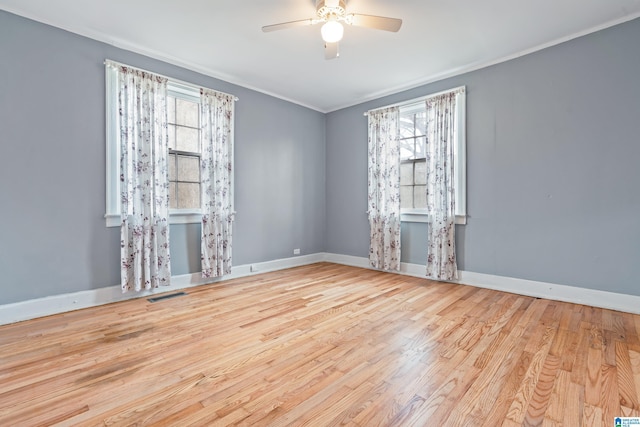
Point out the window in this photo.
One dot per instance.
(183, 118)
(413, 164)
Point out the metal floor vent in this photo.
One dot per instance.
(163, 297)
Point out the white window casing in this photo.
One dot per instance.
(460, 153)
(177, 89)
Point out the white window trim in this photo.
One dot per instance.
(424, 217)
(112, 215)
(460, 152)
(176, 88)
(185, 216)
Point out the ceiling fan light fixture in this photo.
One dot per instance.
(333, 15)
(332, 31)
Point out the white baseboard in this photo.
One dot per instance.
(592, 297)
(354, 261)
(30, 309)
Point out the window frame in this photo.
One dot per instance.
(460, 154)
(176, 89)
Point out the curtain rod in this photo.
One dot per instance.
(459, 89)
(112, 63)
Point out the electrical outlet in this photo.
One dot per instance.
(296, 251)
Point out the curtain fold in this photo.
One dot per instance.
(216, 120)
(441, 137)
(144, 187)
(384, 188)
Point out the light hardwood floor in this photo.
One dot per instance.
(321, 345)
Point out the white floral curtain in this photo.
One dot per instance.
(441, 134)
(384, 188)
(216, 112)
(144, 187)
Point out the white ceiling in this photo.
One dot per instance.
(223, 39)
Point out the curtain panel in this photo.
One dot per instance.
(384, 188)
(441, 137)
(144, 187)
(216, 114)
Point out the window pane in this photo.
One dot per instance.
(406, 173)
(421, 173)
(406, 197)
(188, 196)
(171, 109)
(421, 122)
(187, 113)
(171, 130)
(189, 168)
(406, 149)
(421, 148)
(420, 196)
(173, 202)
(172, 167)
(406, 126)
(187, 139)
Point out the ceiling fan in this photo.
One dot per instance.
(333, 13)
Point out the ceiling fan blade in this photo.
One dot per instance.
(377, 22)
(331, 50)
(285, 25)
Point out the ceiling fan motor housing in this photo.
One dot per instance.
(327, 8)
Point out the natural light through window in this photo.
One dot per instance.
(413, 163)
(184, 156)
(184, 153)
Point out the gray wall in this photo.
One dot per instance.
(553, 166)
(553, 154)
(53, 237)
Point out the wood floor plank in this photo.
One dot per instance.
(438, 401)
(592, 416)
(522, 397)
(558, 403)
(542, 392)
(629, 412)
(579, 368)
(626, 384)
(476, 402)
(323, 344)
(634, 360)
(505, 396)
(609, 347)
(573, 412)
(593, 382)
(610, 401)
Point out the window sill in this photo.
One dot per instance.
(423, 217)
(113, 220)
(175, 217)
